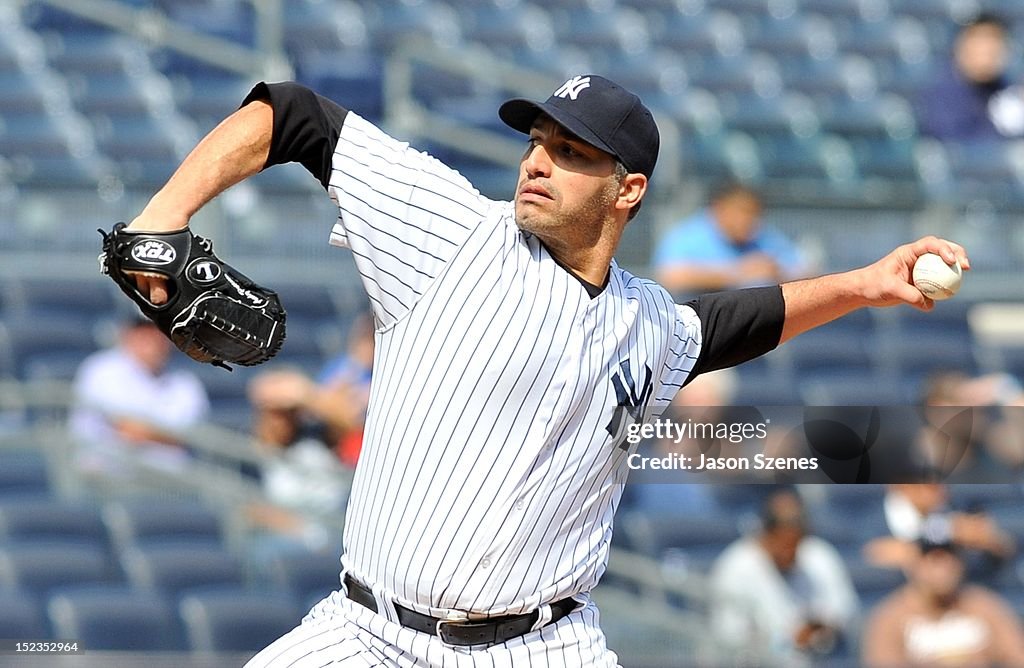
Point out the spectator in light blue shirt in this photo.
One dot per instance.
(725, 246)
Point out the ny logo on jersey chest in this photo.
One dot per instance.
(631, 397)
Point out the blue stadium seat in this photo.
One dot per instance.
(306, 574)
(786, 156)
(173, 569)
(20, 616)
(353, 79)
(874, 584)
(312, 27)
(849, 10)
(31, 135)
(32, 519)
(235, 620)
(45, 346)
(144, 148)
(108, 92)
(41, 566)
(91, 53)
(885, 158)
(516, 26)
(988, 169)
(608, 31)
(393, 21)
(233, 21)
(705, 34)
(67, 299)
(43, 17)
(700, 537)
(114, 618)
(210, 97)
(23, 474)
(22, 93)
(704, 155)
(903, 39)
(755, 114)
(148, 521)
(797, 34)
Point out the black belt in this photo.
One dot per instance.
(462, 632)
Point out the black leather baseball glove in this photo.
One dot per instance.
(213, 313)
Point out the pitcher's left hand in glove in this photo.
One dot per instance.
(213, 313)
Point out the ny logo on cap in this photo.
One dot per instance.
(571, 88)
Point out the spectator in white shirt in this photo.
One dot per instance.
(128, 405)
(781, 593)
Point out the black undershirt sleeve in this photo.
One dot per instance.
(306, 126)
(737, 326)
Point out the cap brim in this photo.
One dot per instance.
(520, 114)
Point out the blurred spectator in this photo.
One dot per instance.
(725, 246)
(972, 98)
(936, 620)
(127, 400)
(982, 445)
(337, 399)
(302, 482)
(782, 593)
(912, 510)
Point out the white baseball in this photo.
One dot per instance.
(936, 279)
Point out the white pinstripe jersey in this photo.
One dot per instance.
(492, 460)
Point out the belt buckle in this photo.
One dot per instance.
(450, 619)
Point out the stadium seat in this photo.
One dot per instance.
(232, 620)
(91, 53)
(233, 21)
(790, 157)
(511, 26)
(41, 566)
(752, 113)
(147, 521)
(714, 33)
(891, 159)
(53, 297)
(353, 79)
(393, 21)
(56, 343)
(20, 616)
(32, 135)
(699, 538)
(873, 584)
(23, 474)
(796, 34)
(306, 574)
(312, 27)
(742, 73)
(22, 92)
(173, 569)
(114, 618)
(32, 519)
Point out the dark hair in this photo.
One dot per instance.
(729, 189)
(620, 172)
(772, 519)
(986, 19)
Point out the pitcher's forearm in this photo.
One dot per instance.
(233, 151)
(814, 302)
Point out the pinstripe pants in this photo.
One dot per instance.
(339, 632)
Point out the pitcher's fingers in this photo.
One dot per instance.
(152, 286)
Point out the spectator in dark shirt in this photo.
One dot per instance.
(973, 98)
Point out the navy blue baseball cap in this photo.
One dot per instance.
(601, 113)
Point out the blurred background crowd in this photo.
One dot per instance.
(149, 504)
